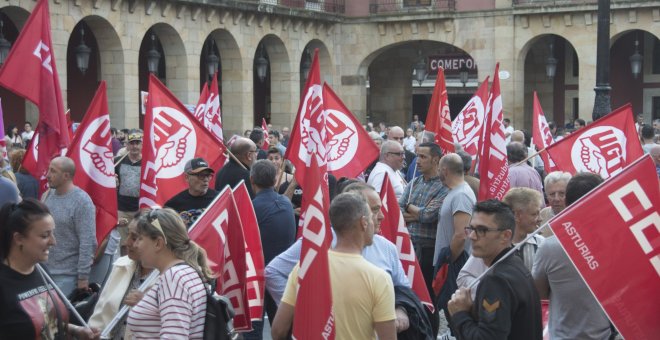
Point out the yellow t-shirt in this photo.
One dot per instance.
(362, 294)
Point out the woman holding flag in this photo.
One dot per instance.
(29, 307)
(175, 306)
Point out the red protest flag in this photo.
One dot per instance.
(604, 147)
(264, 127)
(350, 149)
(313, 316)
(3, 143)
(254, 255)
(218, 230)
(207, 110)
(91, 150)
(467, 127)
(172, 136)
(625, 208)
(494, 166)
(393, 228)
(30, 72)
(438, 120)
(541, 135)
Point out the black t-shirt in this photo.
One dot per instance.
(26, 309)
(128, 192)
(190, 207)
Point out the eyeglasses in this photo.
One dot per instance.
(203, 175)
(400, 154)
(480, 231)
(153, 220)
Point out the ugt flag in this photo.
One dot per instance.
(467, 127)
(264, 126)
(207, 110)
(615, 247)
(605, 147)
(541, 135)
(172, 137)
(30, 72)
(91, 150)
(308, 151)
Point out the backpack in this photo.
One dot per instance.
(219, 312)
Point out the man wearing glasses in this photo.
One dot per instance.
(237, 168)
(507, 305)
(390, 162)
(192, 202)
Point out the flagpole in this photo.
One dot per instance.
(528, 158)
(236, 159)
(66, 301)
(121, 159)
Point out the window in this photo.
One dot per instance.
(416, 2)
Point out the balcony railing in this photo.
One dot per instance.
(410, 6)
(328, 6)
(552, 2)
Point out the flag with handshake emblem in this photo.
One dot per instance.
(208, 111)
(91, 150)
(172, 136)
(611, 236)
(30, 72)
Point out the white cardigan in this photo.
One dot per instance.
(113, 293)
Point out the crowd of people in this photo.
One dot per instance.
(455, 240)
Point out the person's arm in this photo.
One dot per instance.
(429, 213)
(540, 274)
(283, 321)
(85, 226)
(493, 307)
(385, 330)
(411, 214)
(461, 220)
(401, 322)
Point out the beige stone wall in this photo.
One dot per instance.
(348, 48)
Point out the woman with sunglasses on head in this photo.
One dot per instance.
(29, 308)
(175, 306)
(120, 289)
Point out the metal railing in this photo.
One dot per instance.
(552, 2)
(327, 6)
(410, 6)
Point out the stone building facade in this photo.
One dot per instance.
(367, 49)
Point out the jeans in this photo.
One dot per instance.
(66, 283)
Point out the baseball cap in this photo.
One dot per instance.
(196, 165)
(134, 136)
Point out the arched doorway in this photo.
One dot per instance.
(13, 106)
(552, 70)
(641, 86)
(325, 62)
(272, 76)
(82, 75)
(394, 94)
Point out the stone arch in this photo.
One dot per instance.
(393, 98)
(16, 109)
(110, 52)
(231, 67)
(175, 57)
(282, 82)
(325, 61)
(558, 96)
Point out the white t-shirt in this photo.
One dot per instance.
(508, 130)
(377, 175)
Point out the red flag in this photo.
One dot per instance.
(207, 110)
(604, 147)
(172, 136)
(393, 228)
(493, 167)
(438, 120)
(69, 123)
(91, 150)
(541, 135)
(350, 150)
(467, 127)
(254, 256)
(30, 72)
(264, 127)
(219, 231)
(618, 238)
(313, 316)
(3, 144)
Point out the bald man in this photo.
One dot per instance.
(234, 171)
(70, 261)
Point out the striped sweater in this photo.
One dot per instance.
(174, 307)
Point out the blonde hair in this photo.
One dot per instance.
(8, 174)
(168, 224)
(520, 198)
